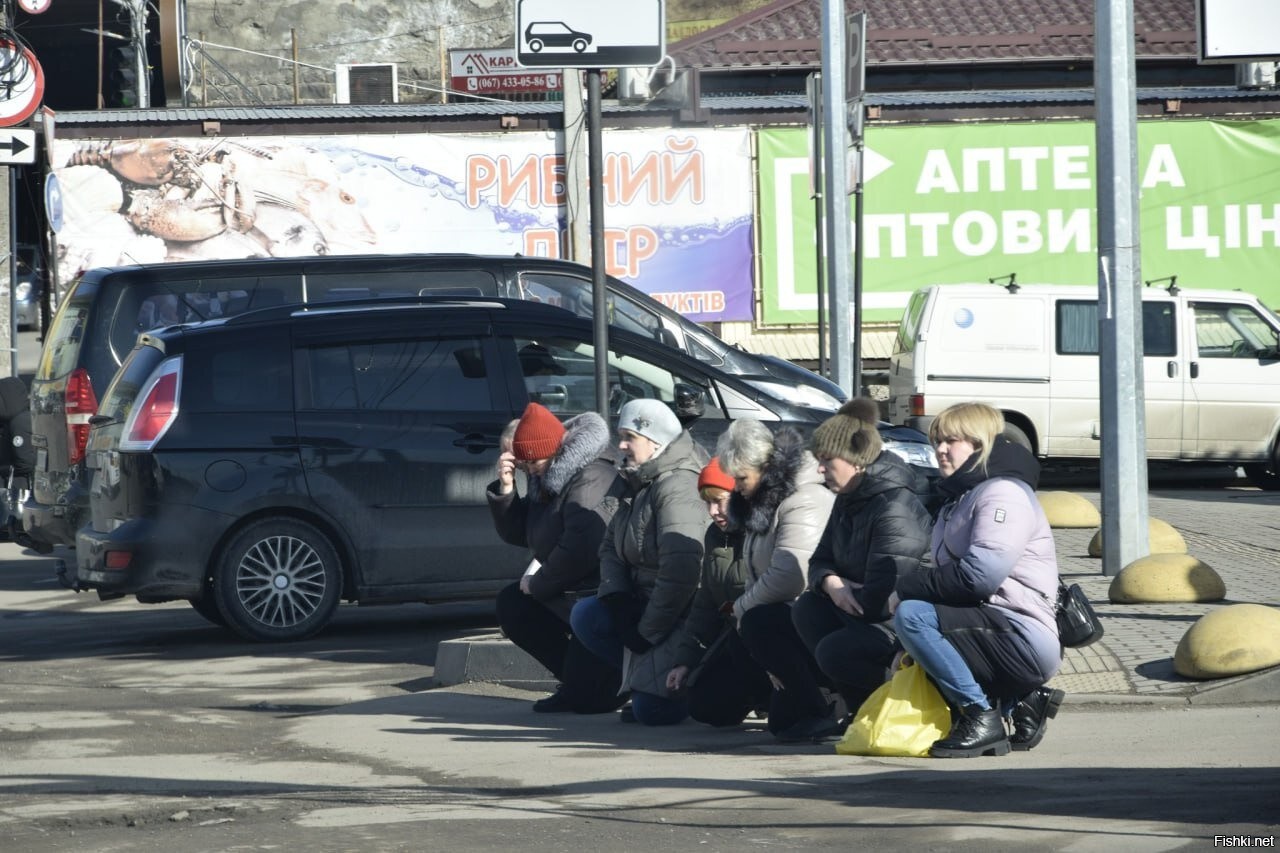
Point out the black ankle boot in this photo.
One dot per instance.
(1031, 717)
(975, 731)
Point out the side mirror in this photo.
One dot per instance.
(690, 402)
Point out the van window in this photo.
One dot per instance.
(1232, 331)
(910, 324)
(439, 374)
(559, 373)
(148, 303)
(61, 353)
(1076, 323)
(241, 371)
(330, 287)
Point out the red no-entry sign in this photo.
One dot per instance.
(22, 88)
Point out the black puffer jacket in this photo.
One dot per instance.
(564, 516)
(876, 533)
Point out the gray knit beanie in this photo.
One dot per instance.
(651, 418)
(850, 434)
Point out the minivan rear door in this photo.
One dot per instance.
(399, 418)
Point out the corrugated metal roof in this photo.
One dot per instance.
(723, 103)
(911, 31)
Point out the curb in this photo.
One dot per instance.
(490, 658)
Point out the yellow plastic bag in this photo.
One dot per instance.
(904, 716)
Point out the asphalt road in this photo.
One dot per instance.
(142, 727)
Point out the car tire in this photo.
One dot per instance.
(535, 45)
(208, 608)
(278, 580)
(1017, 436)
(579, 45)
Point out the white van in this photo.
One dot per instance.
(1210, 363)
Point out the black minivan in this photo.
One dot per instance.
(267, 466)
(104, 311)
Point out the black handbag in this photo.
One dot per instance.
(1078, 625)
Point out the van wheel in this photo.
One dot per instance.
(1266, 477)
(278, 580)
(1017, 436)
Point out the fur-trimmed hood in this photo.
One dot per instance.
(789, 466)
(586, 438)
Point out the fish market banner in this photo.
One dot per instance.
(968, 203)
(678, 218)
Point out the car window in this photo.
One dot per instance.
(574, 294)
(559, 373)
(1232, 331)
(1077, 327)
(440, 374)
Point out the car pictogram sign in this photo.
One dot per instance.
(589, 33)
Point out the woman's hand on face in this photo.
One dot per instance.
(677, 677)
(506, 472)
(840, 592)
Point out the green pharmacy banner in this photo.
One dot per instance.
(968, 203)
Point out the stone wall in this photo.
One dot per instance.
(248, 44)
(328, 33)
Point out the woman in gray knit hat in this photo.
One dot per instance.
(878, 530)
(650, 559)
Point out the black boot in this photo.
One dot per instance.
(1031, 716)
(975, 731)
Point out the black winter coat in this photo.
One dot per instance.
(564, 516)
(876, 533)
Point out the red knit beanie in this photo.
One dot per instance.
(713, 476)
(539, 434)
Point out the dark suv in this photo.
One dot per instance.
(100, 318)
(266, 466)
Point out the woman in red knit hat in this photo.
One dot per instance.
(573, 491)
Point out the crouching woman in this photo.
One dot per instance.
(980, 619)
(573, 491)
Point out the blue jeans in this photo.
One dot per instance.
(592, 624)
(917, 626)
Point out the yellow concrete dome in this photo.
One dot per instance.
(1165, 578)
(1231, 641)
(1067, 509)
(1163, 537)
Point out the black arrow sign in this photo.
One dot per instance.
(15, 145)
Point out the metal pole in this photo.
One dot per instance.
(297, 87)
(599, 296)
(13, 270)
(835, 186)
(815, 144)
(858, 385)
(1122, 397)
(138, 9)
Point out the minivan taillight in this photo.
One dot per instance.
(82, 404)
(156, 409)
(917, 405)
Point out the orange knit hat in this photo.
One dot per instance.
(713, 476)
(539, 434)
